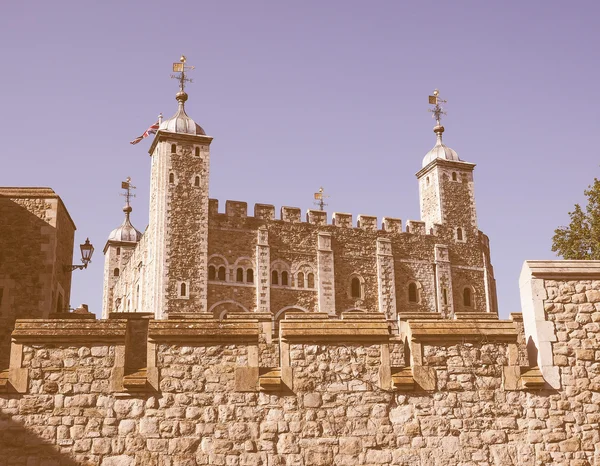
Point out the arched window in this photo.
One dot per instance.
(116, 272)
(467, 298)
(118, 251)
(453, 176)
(183, 290)
(197, 181)
(413, 295)
(212, 273)
(250, 276)
(275, 277)
(311, 280)
(171, 178)
(355, 288)
(173, 148)
(284, 278)
(222, 273)
(197, 152)
(239, 275)
(300, 280)
(459, 234)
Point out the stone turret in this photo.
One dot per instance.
(119, 246)
(178, 224)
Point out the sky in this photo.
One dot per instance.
(299, 95)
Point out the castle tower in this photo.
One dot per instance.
(178, 223)
(446, 191)
(119, 246)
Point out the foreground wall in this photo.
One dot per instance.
(130, 390)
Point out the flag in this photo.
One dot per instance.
(152, 130)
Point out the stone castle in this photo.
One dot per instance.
(230, 339)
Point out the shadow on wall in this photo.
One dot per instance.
(21, 445)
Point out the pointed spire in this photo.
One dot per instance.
(126, 231)
(181, 122)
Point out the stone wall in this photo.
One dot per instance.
(36, 244)
(320, 391)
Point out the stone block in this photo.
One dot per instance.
(246, 379)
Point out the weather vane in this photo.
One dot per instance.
(320, 197)
(127, 186)
(181, 68)
(437, 111)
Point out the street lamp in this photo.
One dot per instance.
(87, 249)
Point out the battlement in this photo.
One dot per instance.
(239, 210)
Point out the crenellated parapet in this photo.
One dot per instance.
(316, 265)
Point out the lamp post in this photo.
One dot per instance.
(87, 249)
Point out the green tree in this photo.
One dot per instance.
(581, 239)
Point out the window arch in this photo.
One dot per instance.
(197, 152)
(197, 181)
(250, 276)
(221, 274)
(300, 280)
(311, 280)
(183, 289)
(467, 297)
(212, 272)
(173, 148)
(413, 293)
(116, 272)
(171, 178)
(239, 275)
(355, 288)
(280, 273)
(459, 234)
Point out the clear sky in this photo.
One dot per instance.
(303, 94)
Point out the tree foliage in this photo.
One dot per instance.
(581, 239)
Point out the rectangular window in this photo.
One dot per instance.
(1, 296)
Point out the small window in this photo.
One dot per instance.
(173, 148)
(459, 234)
(454, 176)
(300, 280)
(427, 181)
(118, 251)
(413, 296)
(1, 295)
(222, 273)
(197, 152)
(445, 296)
(250, 276)
(284, 278)
(239, 276)
(212, 273)
(311, 280)
(116, 272)
(355, 288)
(467, 299)
(183, 289)
(275, 277)
(197, 181)
(171, 178)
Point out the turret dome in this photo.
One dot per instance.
(126, 231)
(181, 122)
(440, 150)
